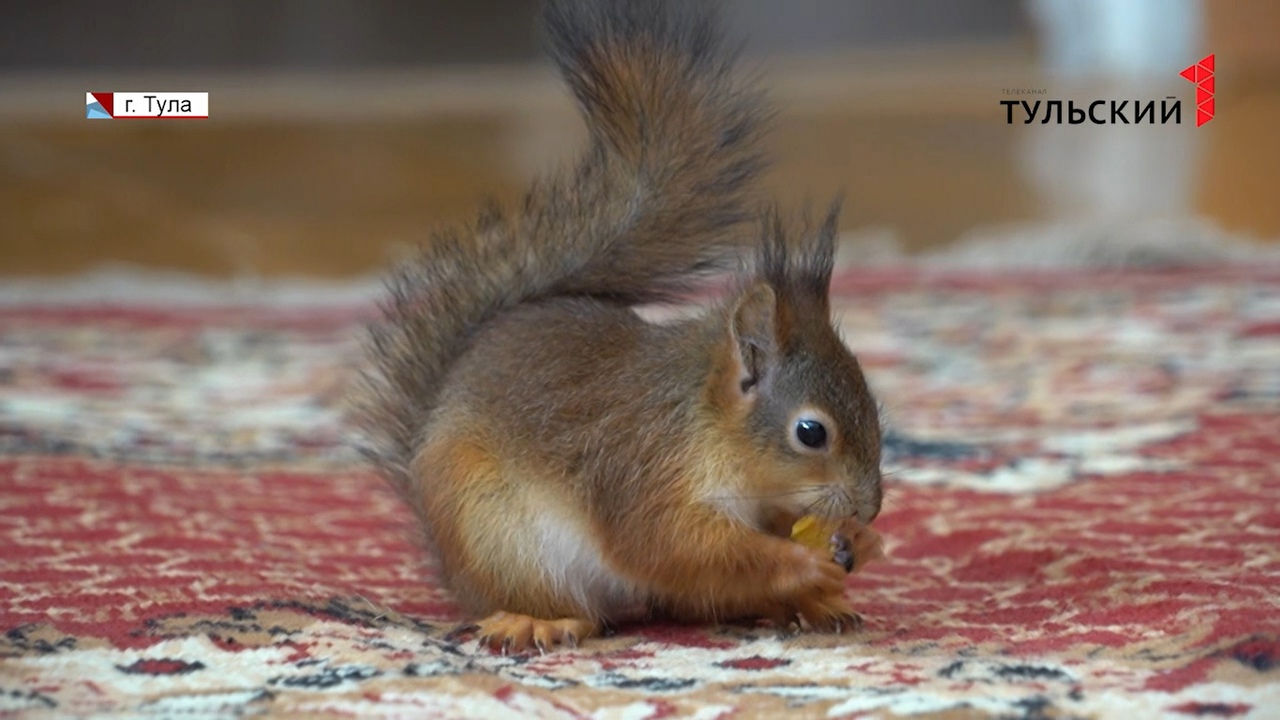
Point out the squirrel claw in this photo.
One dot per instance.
(849, 621)
(785, 620)
(844, 559)
(790, 629)
(837, 621)
(842, 552)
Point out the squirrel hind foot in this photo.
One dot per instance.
(509, 633)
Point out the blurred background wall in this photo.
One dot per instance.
(351, 34)
(343, 129)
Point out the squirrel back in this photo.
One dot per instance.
(650, 206)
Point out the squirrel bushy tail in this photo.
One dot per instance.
(650, 206)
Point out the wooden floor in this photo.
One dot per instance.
(326, 176)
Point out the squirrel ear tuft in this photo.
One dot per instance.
(754, 328)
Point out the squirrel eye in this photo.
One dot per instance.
(811, 434)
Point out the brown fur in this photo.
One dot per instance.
(572, 463)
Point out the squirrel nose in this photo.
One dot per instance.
(872, 498)
(868, 513)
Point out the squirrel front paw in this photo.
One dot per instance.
(804, 570)
(856, 545)
(813, 591)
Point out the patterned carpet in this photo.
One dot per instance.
(1083, 519)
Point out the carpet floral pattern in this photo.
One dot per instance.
(1083, 520)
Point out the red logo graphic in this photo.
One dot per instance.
(1202, 75)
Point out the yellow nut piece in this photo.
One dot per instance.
(812, 532)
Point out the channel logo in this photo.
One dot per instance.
(1202, 75)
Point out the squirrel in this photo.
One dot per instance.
(572, 465)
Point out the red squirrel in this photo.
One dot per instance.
(574, 466)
